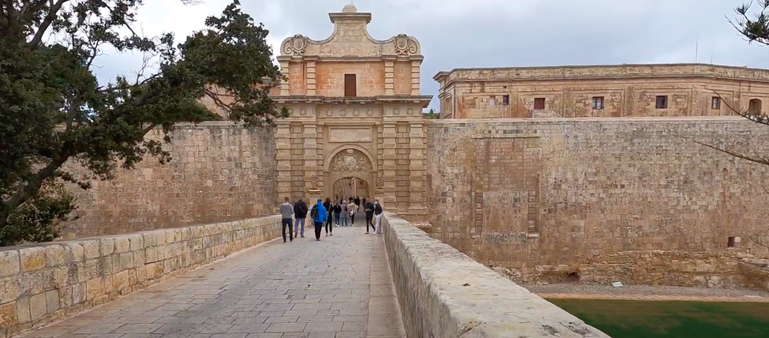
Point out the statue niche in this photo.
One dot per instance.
(350, 160)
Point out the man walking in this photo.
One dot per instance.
(378, 216)
(319, 215)
(300, 214)
(369, 210)
(353, 210)
(286, 211)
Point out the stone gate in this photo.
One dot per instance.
(356, 116)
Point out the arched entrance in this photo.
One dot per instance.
(349, 172)
(350, 187)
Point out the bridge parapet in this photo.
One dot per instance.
(46, 282)
(446, 294)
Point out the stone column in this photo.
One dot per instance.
(311, 76)
(284, 88)
(283, 159)
(417, 168)
(313, 177)
(415, 76)
(389, 164)
(389, 77)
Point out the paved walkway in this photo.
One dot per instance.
(340, 287)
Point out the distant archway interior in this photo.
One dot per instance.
(350, 187)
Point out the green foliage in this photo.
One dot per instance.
(432, 115)
(54, 110)
(753, 26)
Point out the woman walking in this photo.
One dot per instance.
(345, 214)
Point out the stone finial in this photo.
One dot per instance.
(349, 9)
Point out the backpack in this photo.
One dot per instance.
(314, 212)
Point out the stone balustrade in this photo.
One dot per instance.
(46, 282)
(446, 294)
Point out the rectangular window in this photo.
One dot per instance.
(662, 102)
(731, 242)
(350, 85)
(505, 100)
(715, 102)
(539, 103)
(598, 103)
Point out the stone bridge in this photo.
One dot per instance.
(238, 279)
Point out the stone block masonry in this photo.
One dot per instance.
(219, 172)
(47, 282)
(552, 199)
(444, 293)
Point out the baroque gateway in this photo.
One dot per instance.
(356, 125)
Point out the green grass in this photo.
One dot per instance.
(674, 319)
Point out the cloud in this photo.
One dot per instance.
(493, 33)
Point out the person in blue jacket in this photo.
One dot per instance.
(319, 215)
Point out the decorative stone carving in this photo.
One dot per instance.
(356, 112)
(303, 112)
(314, 182)
(295, 45)
(343, 112)
(410, 111)
(379, 181)
(369, 112)
(350, 160)
(405, 45)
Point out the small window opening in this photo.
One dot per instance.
(598, 103)
(539, 103)
(662, 102)
(350, 85)
(505, 100)
(715, 102)
(732, 242)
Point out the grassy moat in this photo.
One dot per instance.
(671, 319)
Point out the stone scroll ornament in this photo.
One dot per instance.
(296, 45)
(405, 45)
(379, 181)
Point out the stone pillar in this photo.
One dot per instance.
(415, 76)
(283, 159)
(284, 87)
(417, 168)
(311, 76)
(312, 176)
(389, 163)
(389, 77)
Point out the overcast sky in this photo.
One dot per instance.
(492, 33)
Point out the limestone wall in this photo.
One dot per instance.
(219, 172)
(444, 293)
(602, 91)
(46, 282)
(549, 197)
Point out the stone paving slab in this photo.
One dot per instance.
(340, 287)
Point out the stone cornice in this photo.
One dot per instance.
(424, 100)
(601, 72)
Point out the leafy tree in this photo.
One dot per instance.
(432, 115)
(54, 111)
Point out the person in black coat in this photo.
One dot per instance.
(300, 214)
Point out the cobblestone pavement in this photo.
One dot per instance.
(340, 287)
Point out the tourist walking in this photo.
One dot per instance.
(286, 213)
(319, 215)
(378, 211)
(345, 214)
(369, 210)
(300, 214)
(337, 209)
(353, 210)
(328, 205)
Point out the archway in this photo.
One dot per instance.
(754, 107)
(348, 166)
(350, 187)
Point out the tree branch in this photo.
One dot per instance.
(46, 23)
